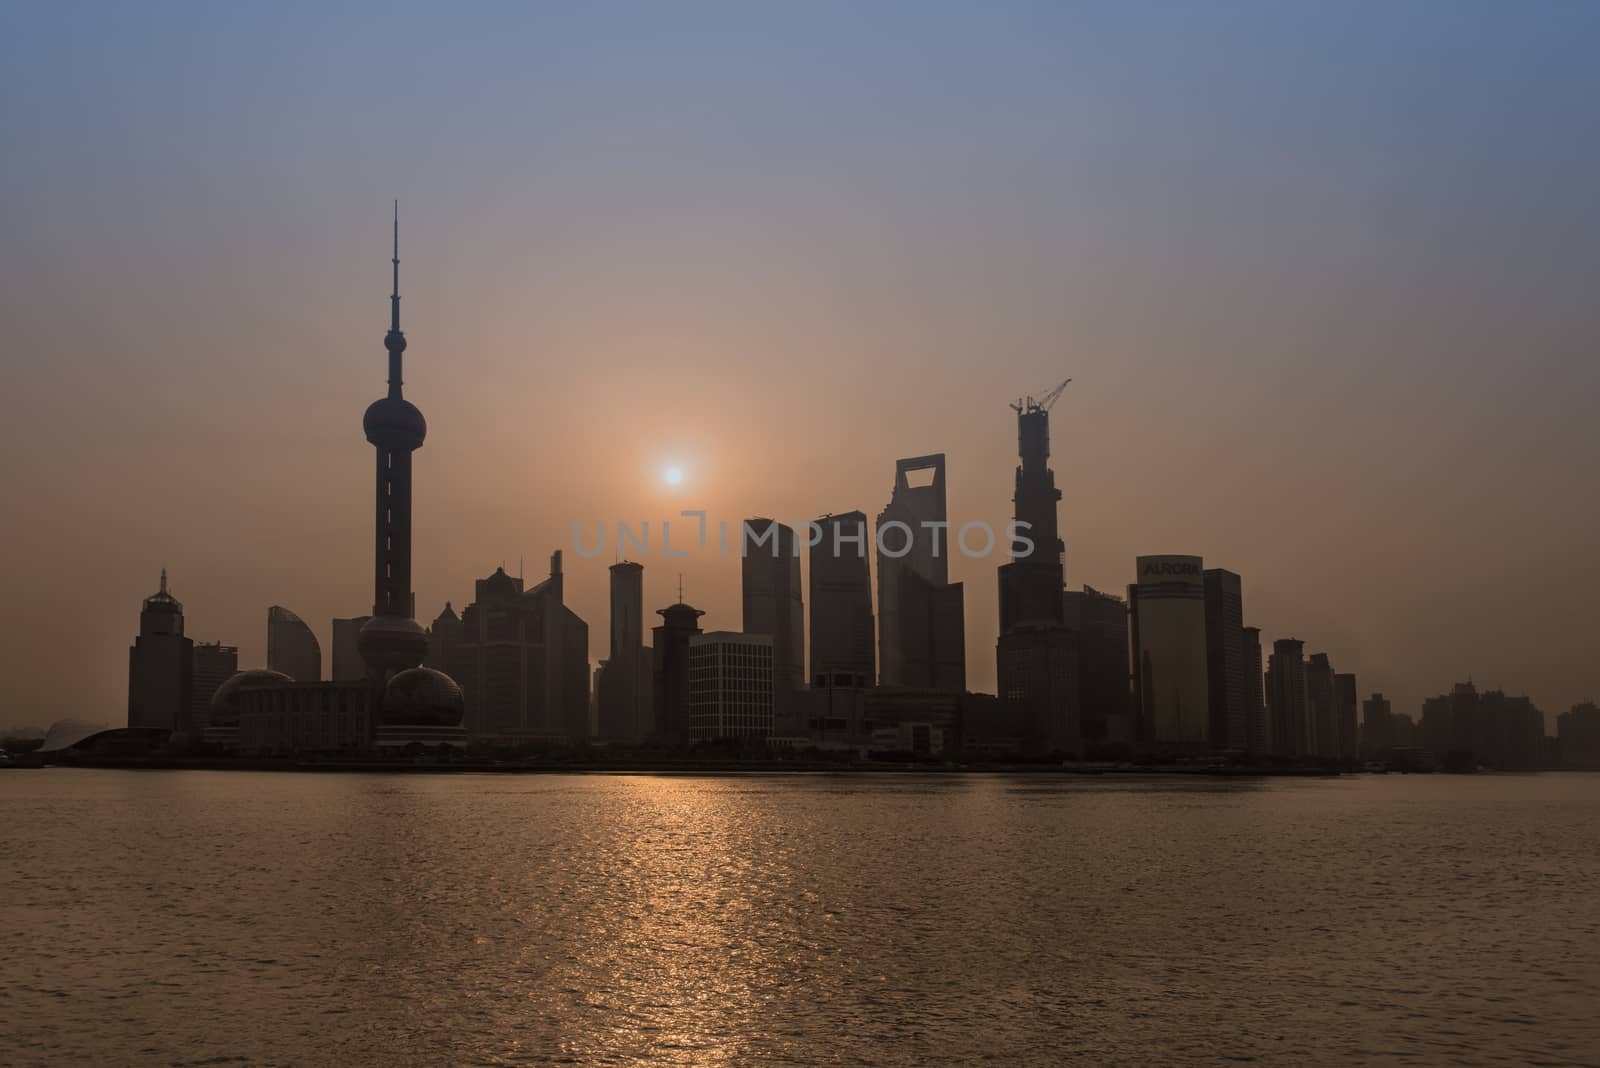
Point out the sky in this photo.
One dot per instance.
(1323, 275)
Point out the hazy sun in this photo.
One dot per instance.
(672, 476)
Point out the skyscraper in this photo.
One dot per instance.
(1099, 622)
(1170, 677)
(292, 648)
(1229, 720)
(842, 639)
(1286, 698)
(1345, 704)
(921, 613)
(770, 595)
(1321, 707)
(624, 689)
(1377, 727)
(1578, 730)
(1259, 732)
(392, 641)
(161, 667)
(521, 658)
(214, 664)
(1036, 655)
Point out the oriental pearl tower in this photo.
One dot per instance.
(392, 640)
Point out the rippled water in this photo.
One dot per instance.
(196, 917)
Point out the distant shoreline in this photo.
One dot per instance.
(684, 768)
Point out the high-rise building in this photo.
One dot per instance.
(670, 662)
(161, 667)
(1404, 730)
(1036, 655)
(1228, 724)
(446, 633)
(1287, 705)
(214, 664)
(1260, 731)
(292, 648)
(1467, 729)
(624, 689)
(1578, 731)
(842, 639)
(1031, 585)
(1345, 703)
(1170, 679)
(770, 588)
(1377, 727)
(1100, 624)
(521, 658)
(921, 613)
(730, 686)
(1322, 707)
(347, 665)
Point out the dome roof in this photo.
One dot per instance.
(225, 702)
(423, 696)
(394, 422)
(392, 643)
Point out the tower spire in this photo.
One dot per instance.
(394, 340)
(394, 297)
(163, 582)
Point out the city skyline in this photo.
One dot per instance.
(1421, 527)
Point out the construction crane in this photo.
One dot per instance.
(1042, 404)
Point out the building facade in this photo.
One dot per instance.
(1578, 731)
(1322, 707)
(161, 667)
(921, 613)
(1100, 623)
(730, 686)
(1377, 727)
(1228, 721)
(1286, 698)
(769, 571)
(214, 664)
(1345, 706)
(1170, 678)
(843, 642)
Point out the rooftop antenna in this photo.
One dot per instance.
(680, 587)
(394, 296)
(163, 581)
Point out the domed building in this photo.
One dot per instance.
(421, 707)
(222, 724)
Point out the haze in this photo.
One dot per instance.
(1323, 276)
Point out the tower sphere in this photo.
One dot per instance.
(392, 643)
(394, 423)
